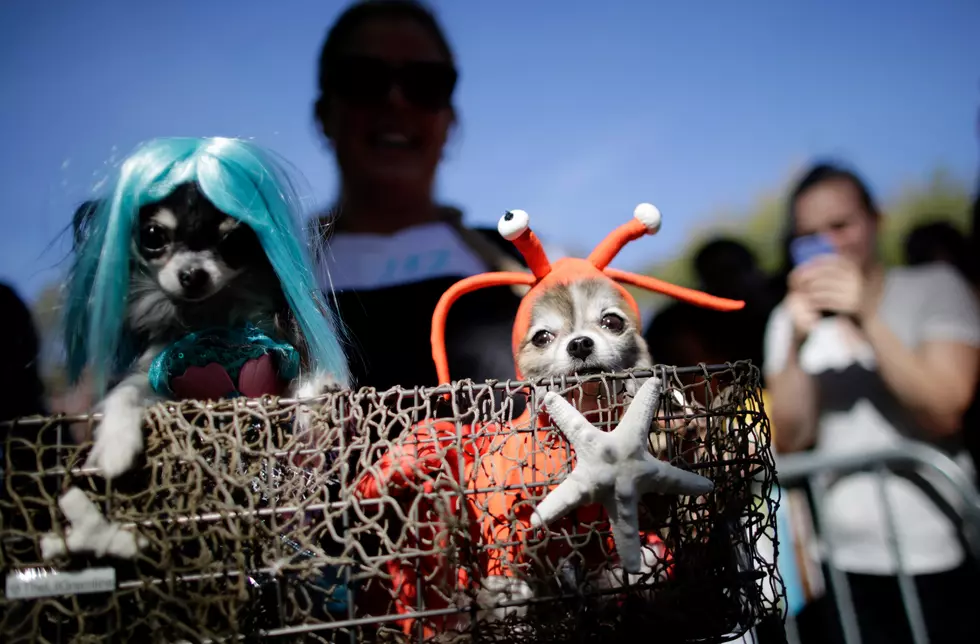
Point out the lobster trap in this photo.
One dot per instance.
(246, 530)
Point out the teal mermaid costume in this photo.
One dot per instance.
(239, 362)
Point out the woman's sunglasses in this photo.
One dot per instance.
(368, 81)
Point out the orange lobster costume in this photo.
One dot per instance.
(502, 471)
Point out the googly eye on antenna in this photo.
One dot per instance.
(515, 227)
(646, 221)
(513, 224)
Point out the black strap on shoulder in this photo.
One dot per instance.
(493, 255)
(479, 242)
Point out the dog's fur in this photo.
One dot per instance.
(227, 280)
(592, 311)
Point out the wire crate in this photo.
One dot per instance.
(249, 532)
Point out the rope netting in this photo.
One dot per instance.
(243, 530)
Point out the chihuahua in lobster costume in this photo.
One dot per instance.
(506, 484)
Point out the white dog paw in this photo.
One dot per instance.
(118, 441)
(313, 385)
(307, 428)
(303, 427)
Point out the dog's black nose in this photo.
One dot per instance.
(581, 347)
(193, 279)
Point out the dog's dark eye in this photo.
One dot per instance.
(154, 238)
(542, 338)
(612, 322)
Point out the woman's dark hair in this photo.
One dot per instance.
(365, 11)
(940, 241)
(722, 254)
(21, 387)
(818, 174)
(825, 172)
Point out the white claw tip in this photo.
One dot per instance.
(649, 216)
(550, 399)
(513, 224)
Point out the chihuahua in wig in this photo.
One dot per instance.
(192, 280)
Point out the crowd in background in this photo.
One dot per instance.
(853, 354)
(857, 357)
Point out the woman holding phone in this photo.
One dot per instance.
(859, 357)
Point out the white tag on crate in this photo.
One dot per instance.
(32, 583)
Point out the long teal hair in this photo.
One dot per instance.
(241, 180)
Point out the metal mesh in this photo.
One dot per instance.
(254, 533)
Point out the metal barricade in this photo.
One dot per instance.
(796, 469)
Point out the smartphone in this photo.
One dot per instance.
(803, 249)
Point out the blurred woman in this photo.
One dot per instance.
(21, 388)
(860, 357)
(387, 79)
(23, 448)
(940, 241)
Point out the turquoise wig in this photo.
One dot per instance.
(242, 181)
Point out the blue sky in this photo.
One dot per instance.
(573, 110)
